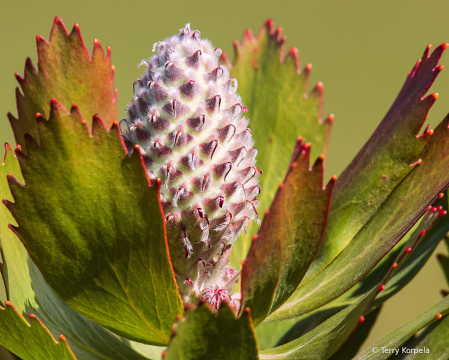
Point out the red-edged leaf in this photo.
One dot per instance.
(382, 163)
(65, 72)
(289, 237)
(281, 107)
(31, 340)
(328, 337)
(408, 202)
(95, 228)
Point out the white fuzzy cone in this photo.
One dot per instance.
(188, 121)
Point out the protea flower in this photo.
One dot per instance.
(142, 239)
(187, 121)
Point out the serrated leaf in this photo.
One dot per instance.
(289, 237)
(204, 335)
(274, 90)
(65, 72)
(29, 292)
(105, 253)
(400, 335)
(325, 339)
(434, 338)
(31, 341)
(395, 217)
(381, 164)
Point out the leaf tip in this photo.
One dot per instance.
(248, 36)
(58, 20)
(269, 23)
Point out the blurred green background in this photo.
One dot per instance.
(360, 50)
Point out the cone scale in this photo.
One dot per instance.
(188, 123)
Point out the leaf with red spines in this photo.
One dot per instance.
(383, 162)
(67, 73)
(326, 338)
(204, 335)
(280, 108)
(399, 265)
(289, 237)
(407, 203)
(31, 340)
(28, 291)
(95, 228)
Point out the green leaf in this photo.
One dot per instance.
(31, 341)
(406, 262)
(95, 228)
(203, 335)
(399, 336)
(325, 339)
(269, 333)
(415, 261)
(65, 72)
(434, 338)
(381, 164)
(289, 237)
(395, 217)
(352, 345)
(29, 293)
(149, 351)
(275, 92)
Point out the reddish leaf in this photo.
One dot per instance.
(95, 228)
(289, 237)
(65, 72)
(407, 203)
(382, 163)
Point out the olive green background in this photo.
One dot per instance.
(360, 50)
